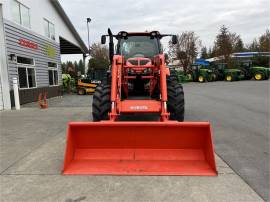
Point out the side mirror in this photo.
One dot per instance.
(103, 39)
(174, 39)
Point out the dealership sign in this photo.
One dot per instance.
(51, 52)
(28, 44)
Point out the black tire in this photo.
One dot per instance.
(101, 103)
(107, 79)
(259, 73)
(176, 101)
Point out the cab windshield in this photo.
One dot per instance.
(138, 46)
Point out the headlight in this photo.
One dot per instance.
(130, 71)
(147, 70)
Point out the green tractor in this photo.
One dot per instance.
(233, 75)
(222, 72)
(182, 77)
(200, 73)
(251, 70)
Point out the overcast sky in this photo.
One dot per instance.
(249, 18)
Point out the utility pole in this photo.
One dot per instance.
(88, 20)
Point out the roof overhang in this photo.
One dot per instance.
(67, 47)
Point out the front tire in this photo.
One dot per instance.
(259, 76)
(229, 78)
(201, 79)
(176, 101)
(101, 103)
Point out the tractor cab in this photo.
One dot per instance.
(140, 52)
(138, 45)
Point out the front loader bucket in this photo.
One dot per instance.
(139, 148)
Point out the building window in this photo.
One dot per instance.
(49, 29)
(26, 61)
(26, 72)
(27, 77)
(21, 14)
(53, 74)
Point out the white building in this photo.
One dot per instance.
(33, 35)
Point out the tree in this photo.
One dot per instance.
(264, 42)
(223, 44)
(64, 67)
(186, 49)
(76, 66)
(81, 67)
(99, 51)
(70, 69)
(226, 43)
(99, 57)
(204, 53)
(254, 46)
(211, 52)
(238, 45)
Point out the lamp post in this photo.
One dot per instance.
(88, 20)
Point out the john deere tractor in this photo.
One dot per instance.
(200, 73)
(222, 72)
(251, 70)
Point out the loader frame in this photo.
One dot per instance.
(120, 78)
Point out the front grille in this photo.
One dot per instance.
(133, 62)
(144, 62)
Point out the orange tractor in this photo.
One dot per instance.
(139, 84)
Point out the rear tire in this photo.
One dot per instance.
(176, 102)
(101, 103)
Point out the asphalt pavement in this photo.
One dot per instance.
(239, 113)
(32, 148)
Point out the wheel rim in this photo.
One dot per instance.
(258, 76)
(229, 78)
(81, 92)
(201, 79)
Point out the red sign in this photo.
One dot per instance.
(28, 44)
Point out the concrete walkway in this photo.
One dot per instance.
(32, 148)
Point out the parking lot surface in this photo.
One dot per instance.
(32, 148)
(239, 113)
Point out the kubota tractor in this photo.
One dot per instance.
(139, 83)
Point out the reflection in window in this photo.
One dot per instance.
(25, 16)
(31, 78)
(20, 14)
(15, 9)
(49, 29)
(22, 77)
(27, 77)
(53, 74)
(24, 60)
